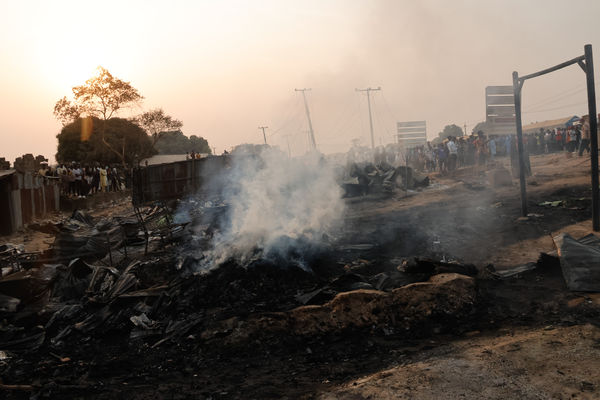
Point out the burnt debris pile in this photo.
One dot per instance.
(259, 261)
(367, 178)
(166, 296)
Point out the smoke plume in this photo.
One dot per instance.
(278, 207)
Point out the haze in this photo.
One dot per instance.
(224, 68)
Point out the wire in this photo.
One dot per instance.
(556, 108)
(291, 116)
(379, 118)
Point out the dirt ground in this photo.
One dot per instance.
(525, 337)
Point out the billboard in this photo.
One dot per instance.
(500, 110)
(411, 133)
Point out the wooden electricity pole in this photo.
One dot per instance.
(369, 90)
(313, 143)
(263, 131)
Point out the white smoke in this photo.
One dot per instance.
(278, 207)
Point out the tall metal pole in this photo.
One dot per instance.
(517, 93)
(589, 72)
(263, 130)
(312, 141)
(369, 90)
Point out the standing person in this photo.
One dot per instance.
(492, 146)
(103, 180)
(71, 179)
(481, 149)
(95, 180)
(114, 180)
(442, 157)
(559, 139)
(573, 140)
(547, 141)
(64, 181)
(452, 153)
(77, 173)
(585, 135)
(109, 179)
(507, 144)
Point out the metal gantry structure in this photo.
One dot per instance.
(587, 65)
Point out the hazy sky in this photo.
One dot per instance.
(226, 67)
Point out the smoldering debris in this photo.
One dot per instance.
(579, 261)
(270, 206)
(367, 178)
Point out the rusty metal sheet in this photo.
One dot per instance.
(175, 180)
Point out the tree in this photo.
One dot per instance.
(157, 123)
(451, 130)
(199, 145)
(173, 143)
(481, 126)
(177, 143)
(102, 96)
(90, 149)
(66, 112)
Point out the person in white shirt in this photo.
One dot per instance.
(452, 153)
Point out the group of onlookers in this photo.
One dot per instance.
(81, 181)
(479, 149)
(454, 152)
(572, 139)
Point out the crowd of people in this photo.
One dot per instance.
(571, 139)
(79, 181)
(454, 152)
(479, 149)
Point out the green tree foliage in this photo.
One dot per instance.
(199, 145)
(481, 126)
(176, 142)
(75, 144)
(451, 130)
(101, 96)
(157, 123)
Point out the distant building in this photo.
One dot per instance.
(551, 124)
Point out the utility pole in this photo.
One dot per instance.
(263, 129)
(311, 139)
(369, 90)
(465, 133)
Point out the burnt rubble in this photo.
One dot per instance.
(366, 178)
(129, 278)
(133, 293)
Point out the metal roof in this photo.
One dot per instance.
(555, 123)
(6, 172)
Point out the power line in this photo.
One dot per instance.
(381, 122)
(556, 108)
(291, 117)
